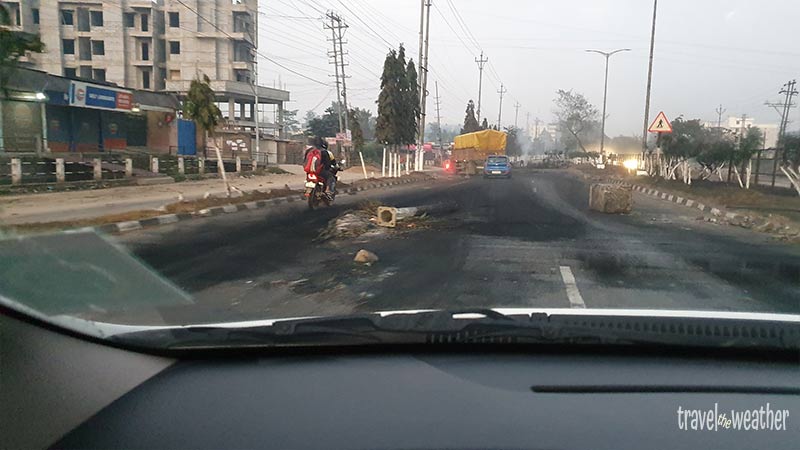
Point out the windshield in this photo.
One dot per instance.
(499, 161)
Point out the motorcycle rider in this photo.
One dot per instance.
(329, 165)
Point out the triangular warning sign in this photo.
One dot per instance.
(661, 124)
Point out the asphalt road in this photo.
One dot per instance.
(526, 242)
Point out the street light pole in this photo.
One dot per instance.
(605, 95)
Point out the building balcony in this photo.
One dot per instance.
(141, 62)
(140, 4)
(133, 32)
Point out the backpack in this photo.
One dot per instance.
(313, 162)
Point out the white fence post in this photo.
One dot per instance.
(363, 167)
(98, 169)
(238, 164)
(181, 166)
(154, 164)
(60, 175)
(383, 164)
(16, 171)
(128, 167)
(201, 165)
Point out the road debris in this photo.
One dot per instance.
(389, 216)
(610, 198)
(365, 257)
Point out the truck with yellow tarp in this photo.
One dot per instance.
(471, 150)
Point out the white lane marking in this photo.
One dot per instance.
(574, 295)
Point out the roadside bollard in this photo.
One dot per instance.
(201, 165)
(128, 167)
(60, 175)
(181, 167)
(98, 169)
(16, 171)
(238, 164)
(154, 164)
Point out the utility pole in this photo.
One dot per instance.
(342, 27)
(649, 82)
(502, 91)
(516, 113)
(789, 91)
(481, 61)
(438, 116)
(425, 18)
(335, 54)
(720, 111)
(255, 112)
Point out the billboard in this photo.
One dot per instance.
(99, 97)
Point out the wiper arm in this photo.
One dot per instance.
(480, 326)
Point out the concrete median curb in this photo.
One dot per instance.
(134, 225)
(720, 215)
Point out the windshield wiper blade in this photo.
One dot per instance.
(480, 325)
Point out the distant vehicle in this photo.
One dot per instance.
(471, 150)
(497, 166)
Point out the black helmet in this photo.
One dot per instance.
(321, 143)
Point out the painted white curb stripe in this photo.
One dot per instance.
(574, 295)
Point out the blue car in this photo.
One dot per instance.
(497, 166)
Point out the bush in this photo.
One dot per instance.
(373, 152)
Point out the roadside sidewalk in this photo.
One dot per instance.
(74, 205)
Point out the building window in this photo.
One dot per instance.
(145, 22)
(68, 46)
(145, 51)
(35, 13)
(174, 20)
(17, 16)
(99, 74)
(70, 72)
(174, 47)
(129, 19)
(241, 22)
(242, 52)
(67, 17)
(86, 72)
(224, 109)
(145, 79)
(98, 48)
(175, 75)
(242, 75)
(96, 18)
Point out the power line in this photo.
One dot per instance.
(300, 74)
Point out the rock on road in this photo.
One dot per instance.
(526, 242)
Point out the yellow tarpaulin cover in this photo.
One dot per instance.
(478, 145)
(482, 140)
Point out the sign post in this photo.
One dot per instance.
(660, 125)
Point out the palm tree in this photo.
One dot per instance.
(200, 106)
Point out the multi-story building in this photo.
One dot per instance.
(735, 126)
(158, 45)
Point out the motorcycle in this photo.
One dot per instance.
(315, 191)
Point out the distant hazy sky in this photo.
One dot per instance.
(737, 53)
